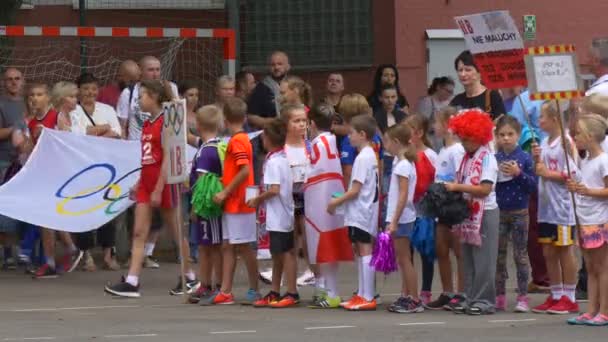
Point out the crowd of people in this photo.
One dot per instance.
(530, 180)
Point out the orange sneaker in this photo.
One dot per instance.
(349, 302)
(363, 305)
(286, 301)
(271, 297)
(223, 299)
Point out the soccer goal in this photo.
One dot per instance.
(54, 53)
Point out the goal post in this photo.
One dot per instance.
(52, 53)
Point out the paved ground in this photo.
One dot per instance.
(74, 308)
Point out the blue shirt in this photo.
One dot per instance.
(515, 193)
(349, 152)
(533, 108)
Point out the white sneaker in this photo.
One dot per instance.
(150, 263)
(306, 279)
(267, 275)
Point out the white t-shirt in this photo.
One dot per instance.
(554, 200)
(279, 209)
(593, 210)
(361, 211)
(489, 173)
(402, 168)
(131, 111)
(599, 87)
(448, 162)
(604, 145)
(299, 164)
(102, 115)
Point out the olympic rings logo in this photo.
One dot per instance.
(174, 116)
(111, 192)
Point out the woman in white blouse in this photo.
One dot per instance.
(95, 118)
(64, 98)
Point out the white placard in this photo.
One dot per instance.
(174, 141)
(554, 73)
(490, 31)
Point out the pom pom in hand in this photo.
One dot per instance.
(448, 207)
(383, 256)
(205, 188)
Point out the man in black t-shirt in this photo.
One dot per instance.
(264, 104)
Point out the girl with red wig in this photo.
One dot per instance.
(476, 179)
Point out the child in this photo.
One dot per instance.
(208, 231)
(238, 222)
(592, 208)
(327, 238)
(278, 199)
(476, 177)
(448, 161)
(46, 117)
(361, 206)
(556, 218)
(151, 191)
(516, 182)
(426, 160)
(401, 214)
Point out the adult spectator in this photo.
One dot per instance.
(599, 67)
(128, 75)
(12, 109)
(386, 74)
(264, 103)
(439, 95)
(64, 98)
(224, 89)
(129, 113)
(475, 94)
(334, 90)
(189, 91)
(94, 117)
(245, 83)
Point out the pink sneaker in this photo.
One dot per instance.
(501, 303)
(426, 297)
(523, 304)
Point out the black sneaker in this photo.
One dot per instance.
(439, 303)
(191, 286)
(201, 292)
(409, 305)
(581, 296)
(455, 302)
(397, 304)
(123, 289)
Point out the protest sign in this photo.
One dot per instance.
(174, 141)
(553, 72)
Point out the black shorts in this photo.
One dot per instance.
(556, 235)
(281, 242)
(359, 235)
(298, 203)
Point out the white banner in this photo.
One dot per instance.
(490, 31)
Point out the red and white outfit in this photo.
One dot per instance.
(151, 164)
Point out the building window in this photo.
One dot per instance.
(317, 34)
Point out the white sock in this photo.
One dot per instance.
(133, 280)
(190, 275)
(360, 267)
(50, 261)
(329, 271)
(149, 248)
(319, 282)
(570, 291)
(369, 277)
(557, 291)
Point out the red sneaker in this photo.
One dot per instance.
(271, 297)
(286, 301)
(223, 299)
(354, 299)
(363, 305)
(564, 306)
(545, 306)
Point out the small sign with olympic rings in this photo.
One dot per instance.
(174, 140)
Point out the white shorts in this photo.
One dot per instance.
(239, 228)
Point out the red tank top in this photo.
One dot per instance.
(151, 143)
(49, 120)
(425, 175)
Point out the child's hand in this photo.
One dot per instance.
(571, 185)
(391, 228)
(450, 186)
(331, 207)
(536, 152)
(540, 169)
(581, 189)
(155, 198)
(510, 169)
(254, 202)
(220, 197)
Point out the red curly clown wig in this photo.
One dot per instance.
(473, 124)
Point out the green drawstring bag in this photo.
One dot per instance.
(203, 191)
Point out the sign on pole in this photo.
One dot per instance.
(495, 42)
(553, 73)
(530, 27)
(174, 140)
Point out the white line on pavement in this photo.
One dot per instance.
(125, 336)
(422, 323)
(233, 332)
(512, 320)
(76, 308)
(331, 327)
(47, 338)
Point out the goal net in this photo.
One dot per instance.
(43, 55)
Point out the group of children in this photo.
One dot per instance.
(479, 158)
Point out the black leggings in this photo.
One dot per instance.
(106, 237)
(428, 270)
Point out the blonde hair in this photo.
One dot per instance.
(223, 80)
(595, 104)
(593, 126)
(209, 118)
(444, 114)
(353, 105)
(304, 90)
(403, 134)
(61, 90)
(419, 123)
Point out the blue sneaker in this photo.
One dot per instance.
(208, 300)
(583, 319)
(251, 297)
